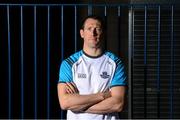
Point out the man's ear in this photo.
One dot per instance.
(82, 33)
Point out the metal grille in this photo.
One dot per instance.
(155, 78)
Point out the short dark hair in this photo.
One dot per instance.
(95, 17)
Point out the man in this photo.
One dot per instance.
(92, 81)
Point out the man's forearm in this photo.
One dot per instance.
(108, 105)
(76, 102)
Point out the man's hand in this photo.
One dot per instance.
(111, 104)
(71, 88)
(106, 94)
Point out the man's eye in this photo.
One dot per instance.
(89, 28)
(98, 29)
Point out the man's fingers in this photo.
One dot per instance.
(72, 87)
(107, 94)
(69, 90)
(75, 87)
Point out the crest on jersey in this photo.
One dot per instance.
(104, 75)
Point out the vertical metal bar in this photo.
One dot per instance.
(9, 64)
(89, 9)
(48, 64)
(62, 46)
(35, 66)
(119, 11)
(158, 62)
(62, 32)
(130, 63)
(75, 28)
(132, 59)
(145, 59)
(172, 62)
(105, 22)
(133, 28)
(105, 11)
(119, 35)
(22, 67)
(119, 27)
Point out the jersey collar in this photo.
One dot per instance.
(93, 56)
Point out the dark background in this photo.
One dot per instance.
(150, 94)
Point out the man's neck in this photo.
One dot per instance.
(94, 52)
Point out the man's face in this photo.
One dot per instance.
(91, 33)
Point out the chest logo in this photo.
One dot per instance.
(104, 75)
(81, 75)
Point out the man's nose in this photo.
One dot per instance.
(94, 32)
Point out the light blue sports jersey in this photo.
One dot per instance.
(92, 75)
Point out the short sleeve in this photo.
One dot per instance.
(65, 72)
(119, 78)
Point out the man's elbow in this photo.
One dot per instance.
(64, 105)
(118, 107)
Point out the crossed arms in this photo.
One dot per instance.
(98, 103)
